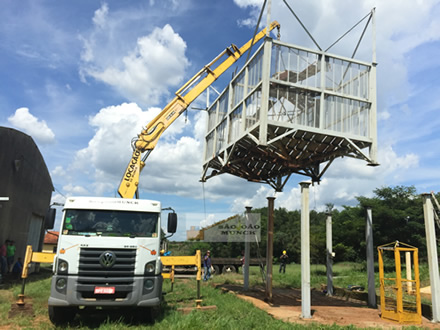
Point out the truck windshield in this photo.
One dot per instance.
(110, 223)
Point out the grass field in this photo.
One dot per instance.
(231, 312)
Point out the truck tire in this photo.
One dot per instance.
(61, 315)
(148, 314)
(216, 269)
(227, 269)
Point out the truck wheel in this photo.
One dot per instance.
(61, 315)
(229, 269)
(148, 314)
(216, 269)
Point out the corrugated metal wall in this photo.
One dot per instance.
(25, 180)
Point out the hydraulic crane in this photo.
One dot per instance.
(146, 141)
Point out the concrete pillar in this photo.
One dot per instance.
(408, 271)
(305, 252)
(428, 211)
(269, 248)
(329, 244)
(370, 259)
(246, 253)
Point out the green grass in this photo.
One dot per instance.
(344, 274)
(231, 312)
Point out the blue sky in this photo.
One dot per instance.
(83, 77)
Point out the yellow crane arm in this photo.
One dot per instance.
(149, 136)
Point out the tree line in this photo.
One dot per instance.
(397, 214)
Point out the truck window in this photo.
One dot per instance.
(110, 223)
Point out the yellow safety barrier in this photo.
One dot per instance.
(396, 303)
(184, 261)
(194, 260)
(41, 257)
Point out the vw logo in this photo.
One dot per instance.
(107, 259)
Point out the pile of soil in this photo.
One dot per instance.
(286, 306)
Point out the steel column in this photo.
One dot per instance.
(370, 259)
(329, 242)
(373, 95)
(428, 211)
(246, 253)
(269, 248)
(265, 88)
(305, 251)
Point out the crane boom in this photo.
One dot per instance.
(148, 138)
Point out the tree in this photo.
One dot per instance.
(397, 215)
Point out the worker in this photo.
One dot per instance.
(283, 261)
(207, 266)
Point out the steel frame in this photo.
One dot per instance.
(292, 110)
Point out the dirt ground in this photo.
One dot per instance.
(286, 306)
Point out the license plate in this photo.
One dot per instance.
(104, 289)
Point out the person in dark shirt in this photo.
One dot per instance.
(207, 266)
(18, 268)
(283, 261)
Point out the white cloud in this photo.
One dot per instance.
(258, 200)
(76, 190)
(144, 72)
(86, 54)
(58, 198)
(383, 115)
(109, 150)
(246, 3)
(23, 120)
(58, 171)
(100, 16)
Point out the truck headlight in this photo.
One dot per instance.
(63, 266)
(148, 284)
(61, 283)
(150, 267)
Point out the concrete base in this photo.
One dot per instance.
(187, 310)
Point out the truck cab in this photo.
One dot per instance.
(107, 255)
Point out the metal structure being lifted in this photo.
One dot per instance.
(292, 110)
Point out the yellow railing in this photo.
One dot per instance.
(396, 303)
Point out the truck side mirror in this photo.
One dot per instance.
(172, 223)
(49, 219)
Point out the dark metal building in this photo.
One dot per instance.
(25, 191)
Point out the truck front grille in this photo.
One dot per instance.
(90, 265)
(119, 275)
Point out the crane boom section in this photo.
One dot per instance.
(149, 136)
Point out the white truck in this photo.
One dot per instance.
(108, 255)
